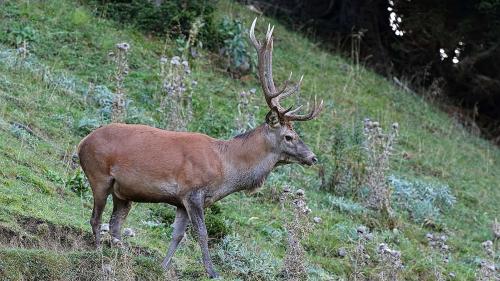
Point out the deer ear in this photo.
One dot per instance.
(272, 119)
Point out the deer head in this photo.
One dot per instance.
(279, 119)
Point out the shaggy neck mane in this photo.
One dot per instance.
(250, 159)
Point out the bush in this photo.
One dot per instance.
(216, 226)
(173, 17)
(348, 165)
(246, 262)
(234, 36)
(424, 201)
(78, 183)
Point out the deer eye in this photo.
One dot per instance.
(288, 138)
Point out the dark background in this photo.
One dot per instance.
(469, 89)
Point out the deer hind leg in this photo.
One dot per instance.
(194, 206)
(180, 223)
(100, 190)
(120, 212)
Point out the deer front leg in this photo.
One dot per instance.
(180, 223)
(194, 206)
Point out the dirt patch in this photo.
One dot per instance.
(33, 233)
(36, 233)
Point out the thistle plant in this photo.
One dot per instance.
(298, 228)
(488, 269)
(360, 258)
(176, 93)
(246, 111)
(378, 147)
(119, 106)
(390, 265)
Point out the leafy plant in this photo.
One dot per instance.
(78, 183)
(425, 201)
(347, 162)
(175, 17)
(20, 34)
(245, 261)
(234, 34)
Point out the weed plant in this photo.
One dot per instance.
(378, 148)
(247, 109)
(424, 201)
(119, 105)
(238, 61)
(298, 228)
(176, 109)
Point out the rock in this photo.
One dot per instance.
(116, 242)
(452, 274)
(317, 219)
(342, 252)
(129, 232)
(382, 247)
(300, 192)
(362, 229)
(123, 46)
(429, 236)
(107, 269)
(286, 189)
(104, 227)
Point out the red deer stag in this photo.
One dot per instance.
(136, 163)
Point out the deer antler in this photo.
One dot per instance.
(272, 96)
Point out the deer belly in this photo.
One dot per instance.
(166, 192)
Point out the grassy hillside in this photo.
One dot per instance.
(44, 98)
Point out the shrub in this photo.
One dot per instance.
(20, 34)
(174, 17)
(87, 125)
(214, 220)
(163, 215)
(235, 46)
(424, 201)
(347, 161)
(78, 183)
(244, 261)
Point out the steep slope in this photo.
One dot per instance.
(44, 230)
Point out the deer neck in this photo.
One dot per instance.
(248, 160)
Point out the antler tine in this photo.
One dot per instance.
(294, 111)
(292, 90)
(273, 97)
(255, 42)
(316, 109)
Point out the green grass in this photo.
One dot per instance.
(72, 46)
